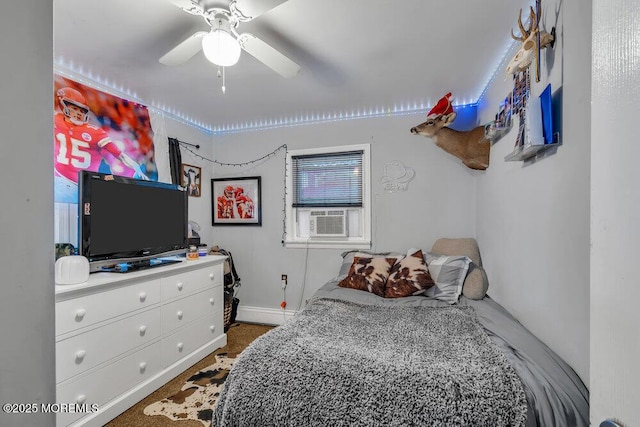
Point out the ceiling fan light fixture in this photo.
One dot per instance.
(221, 48)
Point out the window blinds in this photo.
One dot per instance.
(327, 180)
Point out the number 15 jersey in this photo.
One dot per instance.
(79, 147)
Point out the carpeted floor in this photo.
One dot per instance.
(238, 337)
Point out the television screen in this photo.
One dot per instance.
(124, 218)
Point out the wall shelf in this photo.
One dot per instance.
(494, 133)
(528, 151)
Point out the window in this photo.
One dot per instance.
(328, 197)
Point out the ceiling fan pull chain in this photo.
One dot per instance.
(224, 87)
(221, 73)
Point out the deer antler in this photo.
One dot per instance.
(522, 30)
(532, 25)
(533, 20)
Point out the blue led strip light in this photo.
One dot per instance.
(78, 74)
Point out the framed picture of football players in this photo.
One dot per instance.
(190, 179)
(236, 201)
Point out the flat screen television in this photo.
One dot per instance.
(125, 219)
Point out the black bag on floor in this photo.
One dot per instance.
(231, 282)
(230, 309)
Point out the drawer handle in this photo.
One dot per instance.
(212, 276)
(180, 346)
(212, 328)
(81, 398)
(80, 355)
(143, 296)
(212, 301)
(143, 329)
(179, 314)
(80, 314)
(143, 367)
(180, 286)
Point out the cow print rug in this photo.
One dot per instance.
(198, 395)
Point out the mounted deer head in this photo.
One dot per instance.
(529, 40)
(472, 147)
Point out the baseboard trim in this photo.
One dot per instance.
(266, 316)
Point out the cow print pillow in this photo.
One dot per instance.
(368, 274)
(409, 276)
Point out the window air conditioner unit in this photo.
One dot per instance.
(329, 223)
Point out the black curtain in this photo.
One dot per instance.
(175, 160)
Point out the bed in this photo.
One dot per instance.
(367, 350)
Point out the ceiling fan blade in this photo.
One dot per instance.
(184, 51)
(188, 6)
(250, 9)
(268, 55)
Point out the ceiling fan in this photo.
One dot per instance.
(222, 45)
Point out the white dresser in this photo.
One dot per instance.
(120, 336)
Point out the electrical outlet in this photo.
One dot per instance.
(283, 279)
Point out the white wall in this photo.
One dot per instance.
(163, 128)
(440, 202)
(615, 210)
(27, 358)
(533, 218)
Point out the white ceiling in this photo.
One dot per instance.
(355, 55)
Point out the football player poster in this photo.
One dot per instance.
(98, 132)
(236, 201)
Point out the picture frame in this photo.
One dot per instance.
(503, 116)
(236, 201)
(191, 179)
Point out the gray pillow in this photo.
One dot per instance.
(448, 273)
(476, 284)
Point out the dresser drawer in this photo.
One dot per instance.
(185, 283)
(84, 311)
(185, 310)
(88, 349)
(189, 339)
(107, 383)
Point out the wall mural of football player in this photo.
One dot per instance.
(98, 132)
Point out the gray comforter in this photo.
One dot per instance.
(351, 358)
